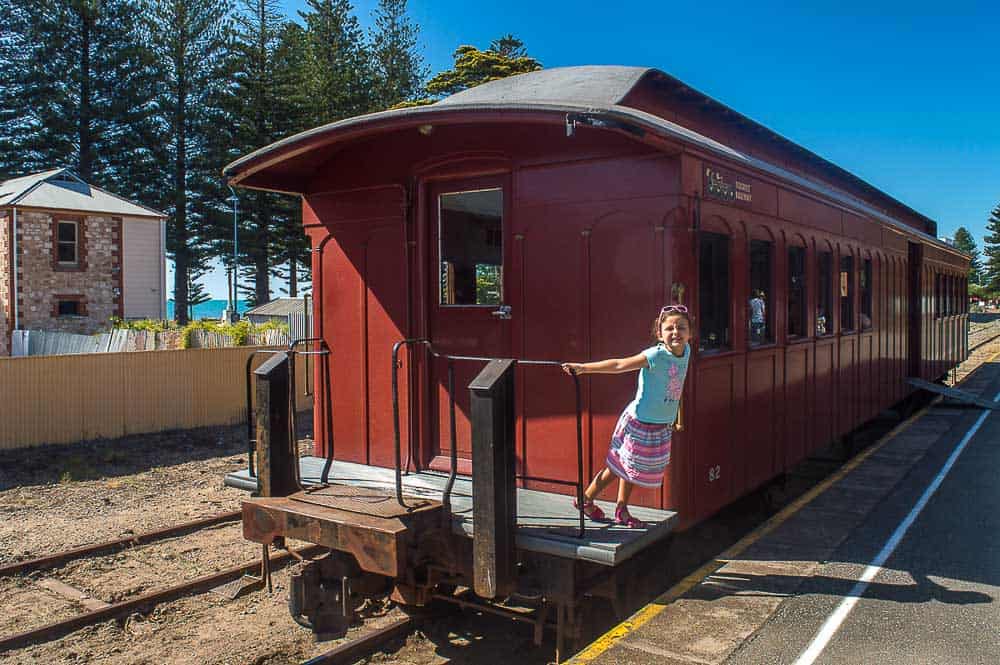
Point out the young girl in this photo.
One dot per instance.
(640, 446)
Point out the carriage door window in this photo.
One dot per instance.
(760, 305)
(824, 295)
(713, 291)
(471, 236)
(866, 294)
(847, 293)
(796, 292)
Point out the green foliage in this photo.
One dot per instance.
(991, 251)
(965, 242)
(239, 332)
(505, 57)
(397, 67)
(148, 325)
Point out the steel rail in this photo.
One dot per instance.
(114, 545)
(355, 650)
(57, 629)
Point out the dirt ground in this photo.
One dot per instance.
(57, 498)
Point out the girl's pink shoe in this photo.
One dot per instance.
(591, 510)
(623, 517)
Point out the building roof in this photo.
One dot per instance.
(61, 189)
(600, 96)
(278, 307)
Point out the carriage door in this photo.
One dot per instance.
(470, 311)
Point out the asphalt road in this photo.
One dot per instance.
(936, 598)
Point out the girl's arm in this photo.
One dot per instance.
(610, 366)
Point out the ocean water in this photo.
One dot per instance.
(210, 309)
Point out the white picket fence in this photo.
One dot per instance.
(48, 343)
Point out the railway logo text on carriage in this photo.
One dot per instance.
(726, 186)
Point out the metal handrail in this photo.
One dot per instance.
(446, 498)
(327, 409)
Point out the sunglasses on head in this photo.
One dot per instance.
(680, 309)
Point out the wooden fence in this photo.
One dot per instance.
(64, 399)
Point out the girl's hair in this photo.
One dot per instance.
(658, 321)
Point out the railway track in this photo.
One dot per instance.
(99, 610)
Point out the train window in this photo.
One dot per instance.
(865, 277)
(471, 247)
(713, 291)
(796, 292)
(847, 293)
(761, 253)
(937, 296)
(824, 295)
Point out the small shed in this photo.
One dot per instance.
(296, 312)
(73, 255)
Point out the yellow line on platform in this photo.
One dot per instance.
(644, 615)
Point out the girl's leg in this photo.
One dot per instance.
(624, 491)
(600, 481)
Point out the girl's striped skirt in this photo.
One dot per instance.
(640, 452)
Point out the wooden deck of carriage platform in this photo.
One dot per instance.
(546, 522)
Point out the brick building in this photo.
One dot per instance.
(73, 255)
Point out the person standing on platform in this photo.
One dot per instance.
(640, 446)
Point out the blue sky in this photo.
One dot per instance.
(905, 95)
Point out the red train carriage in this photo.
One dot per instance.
(549, 216)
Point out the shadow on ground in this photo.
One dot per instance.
(109, 458)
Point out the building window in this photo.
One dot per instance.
(67, 245)
(713, 291)
(866, 294)
(797, 292)
(761, 253)
(824, 295)
(847, 293)
(470, 232)
(69, 308)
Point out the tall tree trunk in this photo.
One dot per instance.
(182, 255)
(293, 276)
(85, 166)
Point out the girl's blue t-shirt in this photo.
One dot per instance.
(658, 395)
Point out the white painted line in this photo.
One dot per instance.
(832, 624)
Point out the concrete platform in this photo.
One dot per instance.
(547, 522)
(933, 601)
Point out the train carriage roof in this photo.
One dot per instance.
(601, 96)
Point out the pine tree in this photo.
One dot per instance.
(337, 64)
(991, 249)
(965, 242)
(77, 82)
(398, 69)
(191, 41)
(505, 57)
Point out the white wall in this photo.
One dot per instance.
(143, 265)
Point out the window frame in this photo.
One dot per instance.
(75, 243)
(830, 289)
(851, 293)
(721, 238)
(867, 274)
(440, 248)
(807, 326)
(769, 336)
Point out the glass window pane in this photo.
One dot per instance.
(847, 293)
(760, 292)
(824, 300)
(471, 247)
(713, 291)
(67, 252)
(69, 308)
(796, 291)
(865, 278)
(67, 232)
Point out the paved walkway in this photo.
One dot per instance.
(930, 599)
